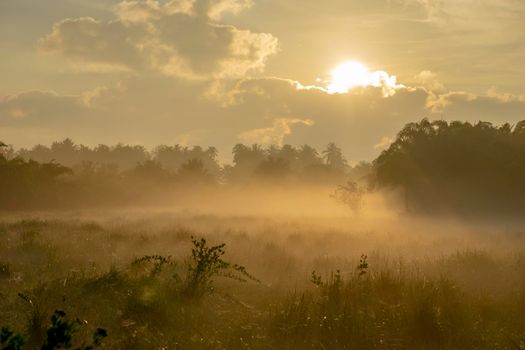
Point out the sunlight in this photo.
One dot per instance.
(352, 74)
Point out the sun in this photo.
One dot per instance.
(353, 74)
(348, 75)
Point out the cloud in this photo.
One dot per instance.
(146, 10)
(177, 38)
(215, 9)
(97, 45)
(40, 108)
(275, 134)
(192, 137)
(429, 80)
(383, 143)
(357, 119)
(159, 109)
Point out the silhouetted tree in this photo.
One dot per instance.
(459, 166)
(29, 183)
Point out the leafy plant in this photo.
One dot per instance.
(11, 341)
(362, 268)
(157, 262)
(60, 334)
(207, 263)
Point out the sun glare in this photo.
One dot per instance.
(352, 74)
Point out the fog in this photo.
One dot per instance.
(287, 248)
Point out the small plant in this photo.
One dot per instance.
(11, 341)
(207, 263)
(316, 279)
(5, 270)
(35, 313)
(157, 262)
(60, 334)
(362, 268)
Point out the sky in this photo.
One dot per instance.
(221, 72)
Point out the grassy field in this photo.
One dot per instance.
(282, 283)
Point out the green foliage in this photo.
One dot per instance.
(60, 334)
(11, 341)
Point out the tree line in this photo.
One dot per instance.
(52, 176)
(434, 166)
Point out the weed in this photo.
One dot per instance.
(11, 341)
(5, 270)
(60, 334)
(362, 268)
(157, 262)
(207, 263)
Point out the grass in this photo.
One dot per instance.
(303, 284)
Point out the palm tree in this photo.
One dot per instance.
(334, 159)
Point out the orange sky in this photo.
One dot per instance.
(219, 72)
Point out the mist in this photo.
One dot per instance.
(254, 175)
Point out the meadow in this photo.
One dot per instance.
(164, 280)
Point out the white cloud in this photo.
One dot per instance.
(275, 134)
(430, 81)
(383, 143)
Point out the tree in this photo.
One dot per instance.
(350, 195)
(334, 159)
(308, 156)
(458, 165)
(246, 160)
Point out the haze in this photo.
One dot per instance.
(262, 174)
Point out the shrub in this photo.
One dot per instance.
(207, 263)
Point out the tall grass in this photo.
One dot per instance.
(151, 285)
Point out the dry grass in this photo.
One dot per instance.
(428, 284)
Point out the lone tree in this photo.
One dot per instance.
(350, 195)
